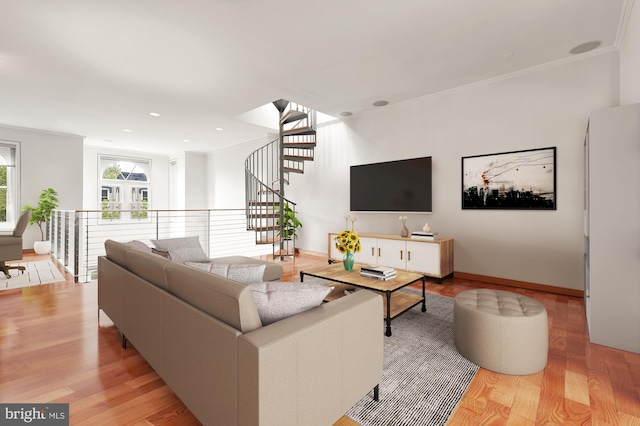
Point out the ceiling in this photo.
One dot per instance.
(95, 68)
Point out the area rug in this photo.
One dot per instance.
(423, 376)
(36, 273)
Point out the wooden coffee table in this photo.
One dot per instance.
(395, 303)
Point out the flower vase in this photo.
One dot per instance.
(405, 231)
(347, 261)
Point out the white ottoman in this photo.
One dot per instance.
(501, 331)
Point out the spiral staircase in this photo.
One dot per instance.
(268, 171)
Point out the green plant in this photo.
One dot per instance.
(291, 222)
(40, 215)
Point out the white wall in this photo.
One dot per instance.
(543, 109)
(195, 180)
(159, 176)
(630, 59)
(226, 174)
(47, 160)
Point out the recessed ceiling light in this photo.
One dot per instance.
(380, 103)
(127, 130)
(585, 47)
(219, 129)
(154, 114)
(108, 140)
(345, 114)
(187, 140)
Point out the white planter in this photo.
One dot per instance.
(42, 247)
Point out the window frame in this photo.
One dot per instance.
(13, 198)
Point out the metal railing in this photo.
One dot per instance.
(78, 236)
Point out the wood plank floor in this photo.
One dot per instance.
(53, 348)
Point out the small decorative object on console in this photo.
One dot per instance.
(405, 230)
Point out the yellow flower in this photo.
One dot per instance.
(347, 241)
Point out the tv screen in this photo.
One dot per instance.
(392, 186)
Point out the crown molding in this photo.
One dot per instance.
(627, 7)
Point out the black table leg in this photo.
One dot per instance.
(388, 319)
(424, 298)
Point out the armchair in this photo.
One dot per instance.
(11, 245)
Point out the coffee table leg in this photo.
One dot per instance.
(302, 277)
(424, 298)
(388, 318)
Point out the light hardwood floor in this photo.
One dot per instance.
(53, 348)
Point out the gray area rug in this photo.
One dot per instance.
(423, 376)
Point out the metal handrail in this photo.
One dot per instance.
(78, 236)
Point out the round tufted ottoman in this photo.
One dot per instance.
(501, 331)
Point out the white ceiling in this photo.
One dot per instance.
(94, 68)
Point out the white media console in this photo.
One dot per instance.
(433, 258)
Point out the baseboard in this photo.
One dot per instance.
(519, 284)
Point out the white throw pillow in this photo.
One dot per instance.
(215, 268)
(188, 248)
(277, 300)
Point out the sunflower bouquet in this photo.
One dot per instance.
(348, 241)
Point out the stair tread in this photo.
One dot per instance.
(293, 170)
(298, 157)
(299, 144)
(298, 131)
(292, 116)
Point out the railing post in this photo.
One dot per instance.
(76, 247)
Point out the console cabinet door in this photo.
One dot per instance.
(424, 257)
(392, 253)
(368, 251)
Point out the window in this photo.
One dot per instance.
(124, 188)
(9, 184)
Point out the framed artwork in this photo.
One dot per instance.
(524, 180)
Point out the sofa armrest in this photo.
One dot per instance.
(312, 367)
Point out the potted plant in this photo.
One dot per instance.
(41, 215)
(291, 224)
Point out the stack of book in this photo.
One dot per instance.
(378, 272)
(420, 235)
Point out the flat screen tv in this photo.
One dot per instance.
(392, 186)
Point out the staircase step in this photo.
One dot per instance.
(292, 116)
(265, 228)
(267, 240)
(263, 203)
(307, 145)
(269, 215)
(299, 131)
(298, 157)
(293, 170)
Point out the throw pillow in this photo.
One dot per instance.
(187, 248)
(215, 268)
(246, 273)
(167, 254)
(277, 300)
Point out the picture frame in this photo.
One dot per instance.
(520, 180)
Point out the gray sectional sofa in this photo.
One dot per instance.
(202, 334)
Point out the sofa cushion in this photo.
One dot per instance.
(138, 245)
(219, 269)
(188, 248)
(229, 301)
(171, 255)
(277, 300)
(116, 252)
(272, 272)
(148, 267)
(246, 274)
